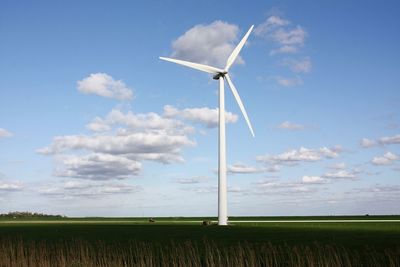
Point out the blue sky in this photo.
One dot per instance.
(93, 123)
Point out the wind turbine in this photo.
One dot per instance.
(221, 74)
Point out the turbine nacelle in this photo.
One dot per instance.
(220, 74)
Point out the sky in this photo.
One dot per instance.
(92, 123)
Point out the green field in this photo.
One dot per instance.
(350, 238)
(379, 235)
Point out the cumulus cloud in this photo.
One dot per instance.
(137, 122)
(98, 125)
(313, 179)
(298, 66)
(289, 82)
(214, 189)
(10, 186)
(192, 180)
(285, 49)
(98, 166)
(138, 136)
(338, 166)
(5, 133)
(83, 189)
(273, 22)
(287, 125)
(283, 188)
(341, 174)
(294, 37)
(120, 142)
(209, 44)
(386, 159)
(159, 146)
(204, 115)
(104, 85)
(390, 140)
(244, 169)
(366, 143)
(378, 188)
(301, 155)
(203, 189)
(286, 37)
(386, 140)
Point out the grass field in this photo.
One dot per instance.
(284, 244)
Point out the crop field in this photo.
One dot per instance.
(247, 241)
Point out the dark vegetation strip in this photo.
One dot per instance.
(81, 253)
(350, 235)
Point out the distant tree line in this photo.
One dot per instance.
(27, 214)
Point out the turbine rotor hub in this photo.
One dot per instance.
(220, 74)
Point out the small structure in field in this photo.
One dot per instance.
(206, 223)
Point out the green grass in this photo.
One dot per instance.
(355, 235)
(259, 241)
(183, 219)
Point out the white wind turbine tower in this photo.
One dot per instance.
(221, 74)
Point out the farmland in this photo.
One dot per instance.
(279, 240)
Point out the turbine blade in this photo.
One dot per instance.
(237, 49)
(240, 103)
(192, 65)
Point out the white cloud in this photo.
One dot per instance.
(289, 82)
(272, 168)
(237, 190)
(214, 189)
(286, 188)
(366, 143)
(76, 185)
(104, 85)
(5, 133)
(204, 189)
(287, 125)
(158, 146)
(278, 30)
(243, 169)
(313, 179)
(137, 122)
(293, 37)
(390, 140)
(98, 125)
(10, 186)
(302, 154)
(286, 49)
(120, 143)
(205, 116)
(98, 166)
(384, 189)
(386, 140)
(207, 44)
(298, 66)
(386, 159)
(138, 137)
(269, 25)
(338, 166)
(193, 180)
(341, 174)
(331, 152)
(286, 39)
(83, 189)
